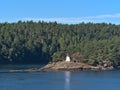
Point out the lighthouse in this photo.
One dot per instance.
(67, 57)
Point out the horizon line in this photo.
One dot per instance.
(106, 18)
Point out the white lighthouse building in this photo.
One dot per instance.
(67, 58)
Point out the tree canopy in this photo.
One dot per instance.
(42, 42)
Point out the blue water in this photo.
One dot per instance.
(83, 80)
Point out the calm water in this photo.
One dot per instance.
(87, 80)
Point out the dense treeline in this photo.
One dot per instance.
(40, 42)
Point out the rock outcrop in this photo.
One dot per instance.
(68, 66)
(65, 66)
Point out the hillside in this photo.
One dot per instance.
(41, 42)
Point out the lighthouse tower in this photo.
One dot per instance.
(67, 57)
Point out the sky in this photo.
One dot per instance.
(62, 11)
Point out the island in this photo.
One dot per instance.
(90, 46)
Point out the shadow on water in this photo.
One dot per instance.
(67, 80)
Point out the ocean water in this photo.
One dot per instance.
(64, 80)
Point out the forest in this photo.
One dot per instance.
(28, 42)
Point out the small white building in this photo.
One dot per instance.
(67, 58)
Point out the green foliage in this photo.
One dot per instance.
(58, 56)
(31, 42)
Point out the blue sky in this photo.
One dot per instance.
(62, 11)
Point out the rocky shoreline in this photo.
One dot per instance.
(68, 66)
